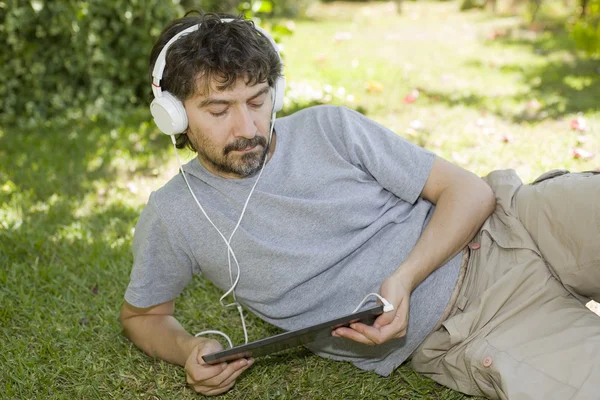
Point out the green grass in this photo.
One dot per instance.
(70, 194)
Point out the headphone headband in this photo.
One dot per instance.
(168, 111)
(161, 60)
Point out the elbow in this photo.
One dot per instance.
(488, 199)
(124, 319)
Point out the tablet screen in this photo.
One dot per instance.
(294, 338)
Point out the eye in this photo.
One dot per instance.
(256, 105)
(218, 114)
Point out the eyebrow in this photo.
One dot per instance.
(208, 102)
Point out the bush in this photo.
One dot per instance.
(219, 6)
(77, 58)
(84, 59)
(586, 30)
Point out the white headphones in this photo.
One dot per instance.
(170, 117)
(168, 111)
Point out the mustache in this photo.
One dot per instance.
(242, 144)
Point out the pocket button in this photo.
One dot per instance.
(474, 245)
(487, 361)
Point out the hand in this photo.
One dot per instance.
(389, 325)
(215, 379)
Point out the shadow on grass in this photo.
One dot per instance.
(65, 157)
(567, 83)
(53, 180)
(57, 207)
(65, 231)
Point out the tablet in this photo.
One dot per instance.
(294, 338)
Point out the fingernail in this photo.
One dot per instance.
(250, 361)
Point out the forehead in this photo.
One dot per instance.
(206, 87)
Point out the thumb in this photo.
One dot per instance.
(208, 347)
(384, 319)
(199, 355)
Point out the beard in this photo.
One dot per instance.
(230, 162)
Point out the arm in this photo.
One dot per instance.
(155, 331)
(463, 202)
(159, 334)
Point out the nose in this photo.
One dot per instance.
(244, 124)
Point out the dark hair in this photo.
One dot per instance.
(218, 51)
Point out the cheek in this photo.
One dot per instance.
(265, 122)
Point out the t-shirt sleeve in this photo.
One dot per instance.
(397, 164)
(161, 268)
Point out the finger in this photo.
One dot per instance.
(201, 373)
(231, 368)
(378, 336)
(349, 333)
(371, 333)
(217, 391)
(211, 391)
(223, 386)
(236, 374)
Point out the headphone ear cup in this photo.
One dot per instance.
(279, 94)
(169, 114)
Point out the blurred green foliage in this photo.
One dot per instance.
(76, 58)
(586, 30)
(272, 8)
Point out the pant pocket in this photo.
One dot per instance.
(499, 375)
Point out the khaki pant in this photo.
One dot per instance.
(521, 329)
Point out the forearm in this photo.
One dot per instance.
(459, 214)
(161, 336)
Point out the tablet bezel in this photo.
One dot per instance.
(286, 340)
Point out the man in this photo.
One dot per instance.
(325, 206)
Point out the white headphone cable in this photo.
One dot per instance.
(387, 306)
(230, 251)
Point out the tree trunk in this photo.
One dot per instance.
(537, 7)
(583, 7)
(398, 6)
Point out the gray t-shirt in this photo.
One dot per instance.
(336, 211)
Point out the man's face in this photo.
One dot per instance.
(229, 129)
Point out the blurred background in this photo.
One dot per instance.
(486, 84)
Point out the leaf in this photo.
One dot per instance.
(37, 5)
(262, 7)
(284, 29)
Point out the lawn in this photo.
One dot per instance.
(482, 91)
